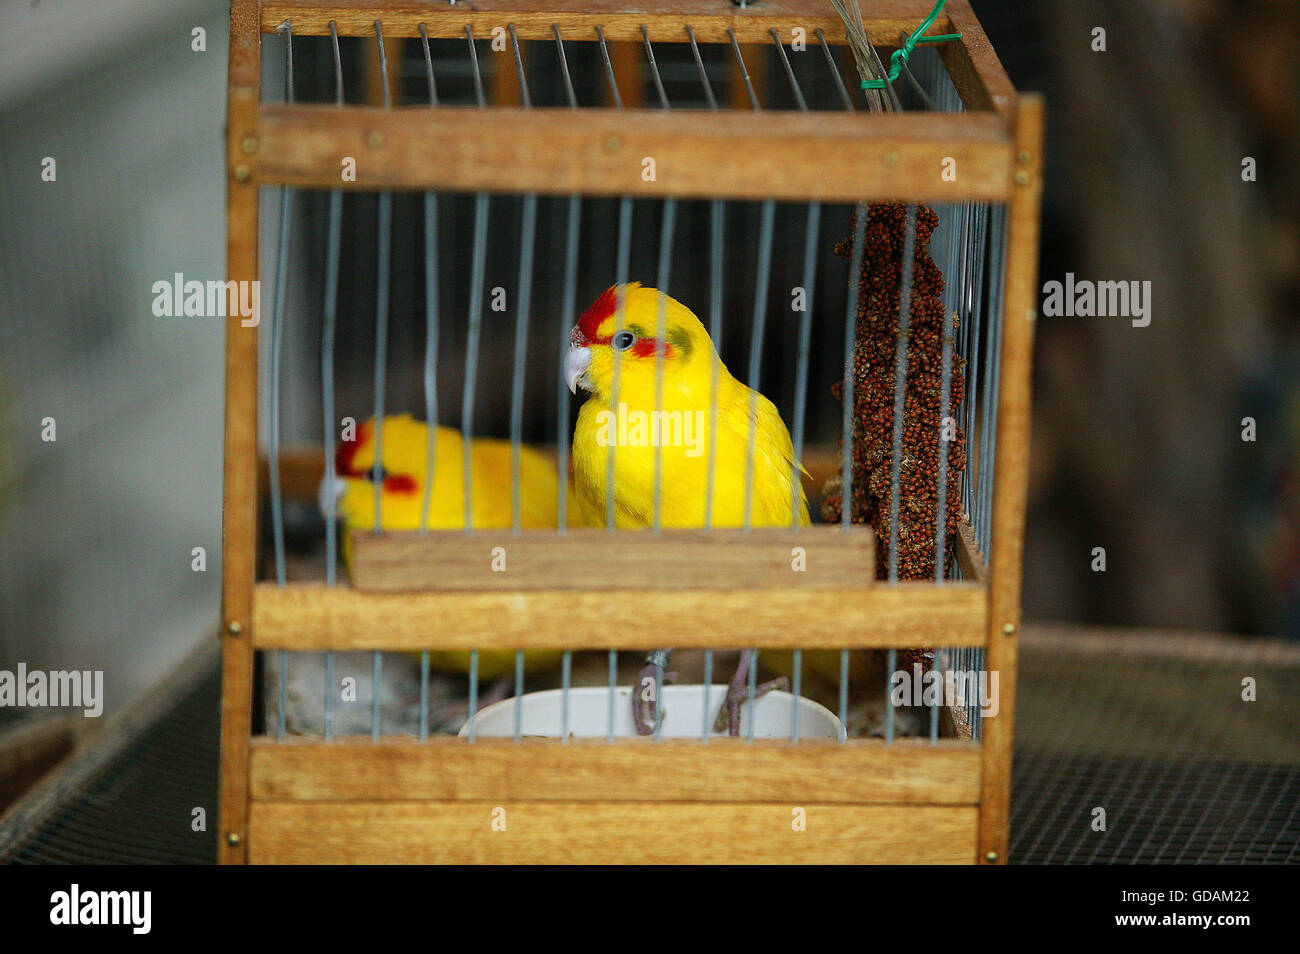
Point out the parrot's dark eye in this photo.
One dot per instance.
(624, 340)
(377, 474)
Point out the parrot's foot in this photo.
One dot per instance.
(728, 717)
(646, 692)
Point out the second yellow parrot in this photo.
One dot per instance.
(402, 473)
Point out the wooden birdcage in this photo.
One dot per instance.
(398, 799)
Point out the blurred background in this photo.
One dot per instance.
(1137, 444)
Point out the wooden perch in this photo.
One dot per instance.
(811, 557)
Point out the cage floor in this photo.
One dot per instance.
(1153, 731)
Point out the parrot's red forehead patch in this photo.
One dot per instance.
(604, 306)
(587, 331)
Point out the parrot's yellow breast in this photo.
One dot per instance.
(688, 441)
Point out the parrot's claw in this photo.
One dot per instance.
(648, 714)
(728, 718)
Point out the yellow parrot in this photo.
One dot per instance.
(688, 356)
(405, 456)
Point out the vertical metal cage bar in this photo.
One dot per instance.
(660, 709)
(971, 353)
(519, 695)
(849, 386)
(699, 66)
(567, 309)
(564, 66)
(750, 689)
(761, 288)
(622, 267)
(796, 690)
(717, 211)
(329, 695)
(523, 304)
(987, 399)
(708, 690)
(891, 665)
(802, 349)
(566, 682)
(424, 695)
(717, 223)
(376, 679)
(661, 334)
(477, 269)
(473, 696)
(383, 272)
(467, 407)
(844, 695)
(762, 285)
(849, 399)
(997, 280)
(480, 96)
(277, 334)
(789, 71)
(613, 690)
(609, 67)
(835, 71)
(654, 68)
(803, 346)
(431, 313)
(329, 321)
(744, 73)
(273, 430)
(661, 331)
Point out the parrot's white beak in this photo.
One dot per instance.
(328, 507)
(576, 363)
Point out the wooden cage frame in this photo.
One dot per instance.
(432, 801)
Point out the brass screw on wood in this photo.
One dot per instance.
(234, 627)
(1022, 177)
(232, 838)
(891, 158)
(991, 857)
(249, 144)
(1008, 629)
(1025, 156)
(613, 144)
(374, 139)
(241, 173)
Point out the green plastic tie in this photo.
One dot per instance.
(901, 55)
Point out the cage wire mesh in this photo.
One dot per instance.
(369, 319)
(1105, 718)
